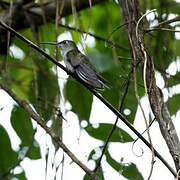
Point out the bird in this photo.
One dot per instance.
(78, 63)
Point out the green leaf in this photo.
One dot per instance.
(91, 155)
(129, 171)
(173, 104)
(7, 156)
(130, 103)
(20, 74)
(80, 99)
(100, 61)
(99, 174)
(161, 49)
(22, 124)
(118, 166)
(173, 80)
(49, 29)
(34, 151)
(102, 132)
(44, 91)
(176, 44)
(20, 44)
(112, 96)
(113, 93)
(21, 176)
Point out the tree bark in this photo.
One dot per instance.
(131, 15)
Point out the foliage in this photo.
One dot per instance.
(36, 80)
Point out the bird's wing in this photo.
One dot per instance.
(72, 57)
(85, 70)
(88, 73)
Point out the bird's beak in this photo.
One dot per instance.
(58, 44)
(50, 43)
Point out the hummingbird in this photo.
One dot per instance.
(78, 63)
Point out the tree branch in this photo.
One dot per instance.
(167, 22)
(41, 122)
(115, 111)
(122, 100)
(24, 15)
(111, 43)
(131, 13)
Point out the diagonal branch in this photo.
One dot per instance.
(41, 122)
(115, 124)
(104, 101)
(163, 23)
(111, 43)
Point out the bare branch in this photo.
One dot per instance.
(115, 124)
(175, 19)
(162, 29)
(111, 43)
(167, 22)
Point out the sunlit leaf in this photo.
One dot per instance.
(21, 78)
(129, 171)
(22, 124)
(103, 130)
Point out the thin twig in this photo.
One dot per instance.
(161, 29)
(158, 27)
(175, 19)
(115, 111)
(145, 130)
(145, 87)
(96, 37)
(114, 126)
(114, 30)
(178, 175)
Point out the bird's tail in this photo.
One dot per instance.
(104, 82)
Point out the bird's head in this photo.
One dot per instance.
(66, 46)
